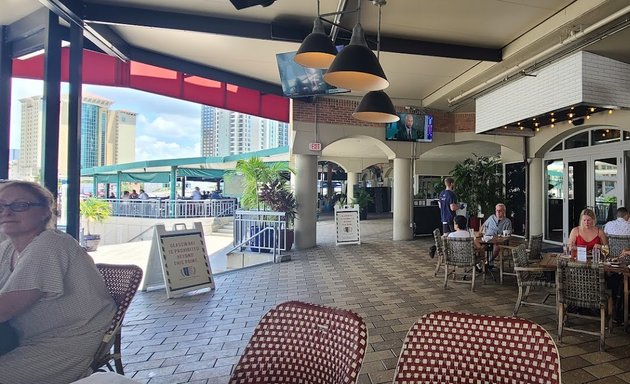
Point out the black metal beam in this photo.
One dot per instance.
(5, 102)
(28, 25)
(28, 44)
(294, 32)
(188, 67)
(51, 105)
(75, 101)
(72, 11)
(191, 68)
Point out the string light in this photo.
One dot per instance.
(610, 111)
(553, 125)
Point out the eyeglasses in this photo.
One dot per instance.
(19, 206)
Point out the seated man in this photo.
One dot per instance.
(620, 226)
(495, 225)
(461, 230)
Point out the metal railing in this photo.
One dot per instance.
(157, 208)
(260, 231)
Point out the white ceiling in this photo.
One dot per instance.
(519, 29)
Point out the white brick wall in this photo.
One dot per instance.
(582, 77)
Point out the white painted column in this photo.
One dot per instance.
(536, 196)
(402, 199)
(353, 178)
(306, 199)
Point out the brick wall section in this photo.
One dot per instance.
(339, 111)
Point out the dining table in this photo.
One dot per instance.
(550, 260)
(504, 242)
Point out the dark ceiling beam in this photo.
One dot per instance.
(29, 25)
(188, 67)
(72, 11)
(294, 32)
(28, 44)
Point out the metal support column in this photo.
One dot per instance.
(51, 104)
(6, 70)
(74, 130)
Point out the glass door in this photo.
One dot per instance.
(577, 193)
(608, 191)
(554, 180)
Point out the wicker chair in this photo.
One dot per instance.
(460, 252)
(298, 342)
(534, 247)
(452, 347)
(122, 281)
(583, 285)
(439, 249)
(528, 276)
(617, 243)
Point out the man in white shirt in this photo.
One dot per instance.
(619, 226)
(196, 194)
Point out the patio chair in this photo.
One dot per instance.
(527, 277)
(460, 253)
(453, 347)
(122, 281)
(583, 285)
(298, 342)
(617, 243)
(534, 247)
(439, 249)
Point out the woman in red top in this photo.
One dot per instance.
(587, 234)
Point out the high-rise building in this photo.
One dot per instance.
(107, 136)
(229, 133)
(120, 138)
(30, 138)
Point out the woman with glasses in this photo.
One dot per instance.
(587, 234)
(50, 292)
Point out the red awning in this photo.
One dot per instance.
(101, 69)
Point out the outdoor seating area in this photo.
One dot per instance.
(389, 284)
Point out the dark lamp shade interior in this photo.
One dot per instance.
(316, 51)
(376, 107)
(356, 68)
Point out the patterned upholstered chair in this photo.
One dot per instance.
(452, 347)
(460, 253)
(122, 281)
(534, 247)
(298, 342)
(583, 285)
(439, 249)
(527, 277)
(617, 243)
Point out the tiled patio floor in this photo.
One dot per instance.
(198, 338)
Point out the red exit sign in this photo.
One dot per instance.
(315, 146)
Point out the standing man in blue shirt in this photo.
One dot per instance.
(448, 205)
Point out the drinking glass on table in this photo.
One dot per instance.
(605, 250)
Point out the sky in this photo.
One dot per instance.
(166, 128)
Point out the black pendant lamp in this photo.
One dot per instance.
(376, 106)
(356, 67)
(317, 50)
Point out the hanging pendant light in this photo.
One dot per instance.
(317, 50)
(376, 106)
(356, 67)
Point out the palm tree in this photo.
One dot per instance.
(255, 173)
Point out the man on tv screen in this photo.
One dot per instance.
(406, 129)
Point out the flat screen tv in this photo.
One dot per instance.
(299, 81)
(411, 127)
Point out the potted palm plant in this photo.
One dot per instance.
(362, 197)
(479, 183)
(93, 210)
(277, 196)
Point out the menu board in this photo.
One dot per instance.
(183, 259)
(347, 225)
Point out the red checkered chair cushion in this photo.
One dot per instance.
(298, 342)
(452, 347)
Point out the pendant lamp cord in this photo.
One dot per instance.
(378, 35)
(318, 9)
